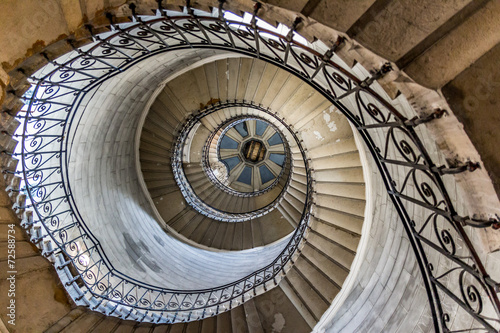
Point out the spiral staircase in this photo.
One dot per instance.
(227, 193)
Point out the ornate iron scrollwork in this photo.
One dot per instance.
(452, 273)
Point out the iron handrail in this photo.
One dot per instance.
(394, 138)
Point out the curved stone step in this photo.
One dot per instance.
(331, 245)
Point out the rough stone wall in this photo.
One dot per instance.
(473, 96)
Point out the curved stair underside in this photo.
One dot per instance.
(320, 271)
(108, 193)
(335, 230)
(335, 199)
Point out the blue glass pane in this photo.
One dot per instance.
(265, 174)
(246, 176)
(277, 158)
(260, 127)
(231, 162)
(242, 129)
(275, 140)
(228, 143)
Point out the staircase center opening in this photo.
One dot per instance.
(254, 151)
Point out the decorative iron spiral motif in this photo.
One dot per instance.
(341, 81)
(470, 294)
(444, 237)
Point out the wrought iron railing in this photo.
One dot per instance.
(451, 269)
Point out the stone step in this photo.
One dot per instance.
(193, 327)
(158, 176)
(299, 179)
(162, 191)
(190, 169)
(208, 325)
(340, 236)
(320, 282)
(87, 322)
(296, 203)
(293, 212)
(283, 209)
(147, 147)
(349, 175)
(209, 190)
(343, 220)
(201, 230)
(224, 322)
(11, 231)
(110, 324)
(332, 149)
(157, 184)
(22, 249)
(332, 250)
(310, 299)
(170, 107)
(247, 235)
(253, 320)
(220, 234)
(70, 317)
(227, 241)
(201, 184)
(161, 120)
(344, 160)
(25, 265)
(155, 146)
(174, 101)
(299, 187)
(154, 167)
(331, 268)
(237, 237)
(188, 227)
(297, 194)
(239, 320)
(187, 222)
(185, 214)
(196, 175)
(208, 237)
(349, 190)
(298, 303)
(344, 204)
(299, 170)
(154, 131)
(278, 314)
(258, 232)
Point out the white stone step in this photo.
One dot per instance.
(238, 320)
(349, 175)
(345, 160)
(349, 190)
(253, 320)
(352, 223)
(298, 303)
(224, 322)
(334, 251)
(309, 297)
(333, 148)
(335, 271)
(319, 281)
(340, 236)
(343, 204)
